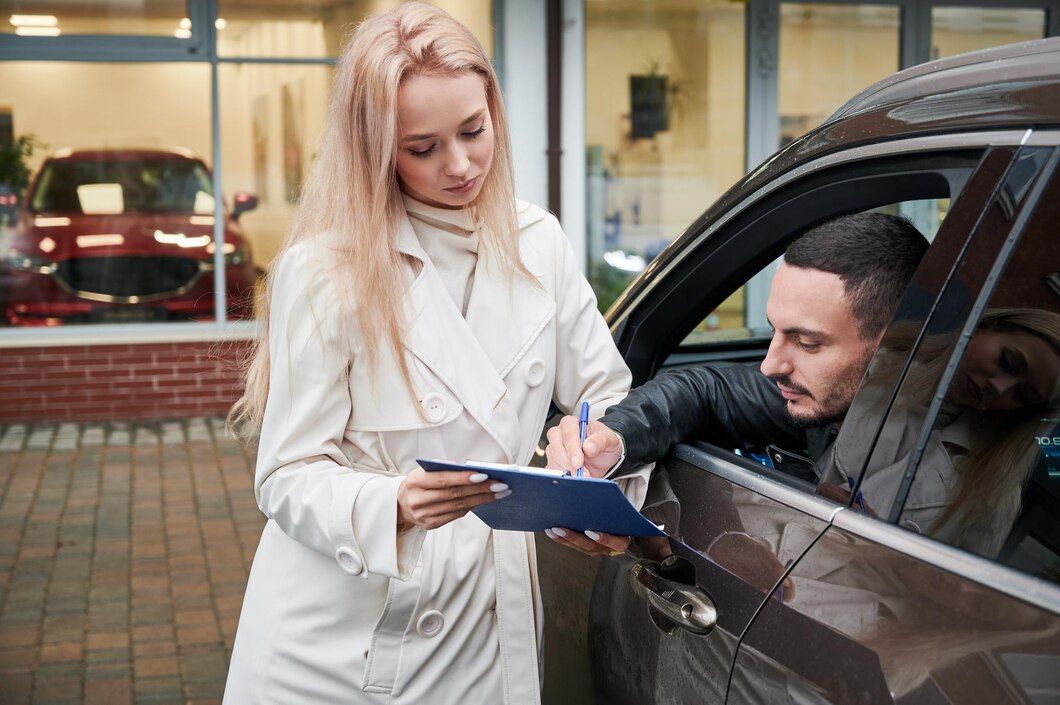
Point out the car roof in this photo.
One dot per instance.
(124, 154)
(1008, 87)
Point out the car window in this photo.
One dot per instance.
(964, 453)
(115, 186)
(742, 315)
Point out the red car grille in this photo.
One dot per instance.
(129, 276)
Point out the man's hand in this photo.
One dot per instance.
(431, 499)
(593, 543)
(601, 451)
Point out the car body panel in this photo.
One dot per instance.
(133, 259)
(862, 611)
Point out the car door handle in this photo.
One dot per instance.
(687, 606)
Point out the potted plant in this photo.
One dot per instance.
(14, 157)
(15, 172)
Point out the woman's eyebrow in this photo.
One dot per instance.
(428, 136)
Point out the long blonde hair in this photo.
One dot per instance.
(1000, 463)
(351, 202)
(996, 467)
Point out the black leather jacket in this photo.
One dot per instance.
(733, 407)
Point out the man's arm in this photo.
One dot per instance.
(734, 406)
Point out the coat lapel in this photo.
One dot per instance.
(472, 356)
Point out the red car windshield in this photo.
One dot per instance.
(116, 186)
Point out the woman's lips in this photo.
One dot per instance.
(464, 187)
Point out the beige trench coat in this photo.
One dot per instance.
(340, 608)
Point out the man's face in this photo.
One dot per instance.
(817, 356)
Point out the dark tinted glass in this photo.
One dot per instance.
(963, 455)
(111, 187)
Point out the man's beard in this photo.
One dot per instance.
(834, 405)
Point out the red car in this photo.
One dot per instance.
(115, 235)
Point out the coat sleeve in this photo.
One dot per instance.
(303, 479)
(588, 365)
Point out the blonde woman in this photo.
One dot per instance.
(983, 448)
(416, 310)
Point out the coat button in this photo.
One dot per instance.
(535, 372)
(434, 406)
(349, 561)
(430, 623)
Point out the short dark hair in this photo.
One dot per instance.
(874, 254)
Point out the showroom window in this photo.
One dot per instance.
(165, 162)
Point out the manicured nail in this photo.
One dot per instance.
(479, 477)
(498, 487)
(559, 532)
(502, 495)
(548, 533)
(593, 535)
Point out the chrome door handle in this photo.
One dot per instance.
(687, 606)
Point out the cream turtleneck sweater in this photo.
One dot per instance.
(450, 239)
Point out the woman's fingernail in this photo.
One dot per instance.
(502, 495)
(548, 533)
(559, 532)
(593, 535)
(479, 477)
(498, 487)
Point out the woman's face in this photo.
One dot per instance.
(445, 138)
(1005, 370)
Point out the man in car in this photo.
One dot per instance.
(829, 304)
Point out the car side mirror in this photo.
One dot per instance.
(243, 202)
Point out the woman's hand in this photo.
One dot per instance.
(593, 543)
(433, 499)
(565, 451)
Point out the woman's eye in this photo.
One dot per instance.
(1011, 362)
(475, 133)
(422, 153)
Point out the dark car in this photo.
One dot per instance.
(115, 235)
(767, 592)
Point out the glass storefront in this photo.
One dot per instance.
(53, 18)
(107, 202)
(955, 30)
(664, 125)
(316, 28)
(827, 54)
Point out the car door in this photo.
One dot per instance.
(637, 628)
(905, 598)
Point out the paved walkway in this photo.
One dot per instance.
(124, 551)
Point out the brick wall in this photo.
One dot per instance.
(119, 382)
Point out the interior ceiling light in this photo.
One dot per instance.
(37, 31)
(185, 23)
(182, 34)
(221, 23)
(34, 20)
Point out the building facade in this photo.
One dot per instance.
(151, 155)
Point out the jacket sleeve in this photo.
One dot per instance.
(303, 479)
(588, 364)
(733, 406)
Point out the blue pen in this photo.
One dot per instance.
(859, 499)
(583, 426)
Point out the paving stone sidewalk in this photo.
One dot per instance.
(124, 551)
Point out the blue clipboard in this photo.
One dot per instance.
(541, 501)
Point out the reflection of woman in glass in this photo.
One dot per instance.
(417, 310)
(983, 448)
